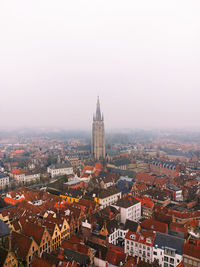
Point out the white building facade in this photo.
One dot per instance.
(118, 233)
(140, 245)
(129, 208)
(4, 180)
(60, 169)
(27, 178)
(108, 197)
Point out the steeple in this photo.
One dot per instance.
(98, 134)
(98, 110)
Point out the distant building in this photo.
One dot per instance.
(4, 180)
(21, 176)
(60, 169)
(98, 135)
(177, 192)
(171, 169)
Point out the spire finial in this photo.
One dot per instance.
(98, 110)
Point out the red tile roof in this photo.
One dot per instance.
(145, 201)
(177, 226)
(34, 230)
(20, 244)
(75, 244)
(115, 256)
(153, 225)
(192, 249)
(16, 225)
(146, 238)
(194, 223)
(39, 262)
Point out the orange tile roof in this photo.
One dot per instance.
(98, 166)
(88, 168)
(12, 201)
(19, 151)
(17, 171)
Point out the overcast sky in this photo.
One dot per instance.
(141, 57)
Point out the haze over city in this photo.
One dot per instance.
(141, 57)
(99, 133)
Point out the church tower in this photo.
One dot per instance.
(98, 135)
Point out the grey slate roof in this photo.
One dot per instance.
(67, 164)
(131, 225)
(173, 187)
(3, 175)
(110, 191)
(168, 241)
(98, 248)
(126, 202)
(82, 259)
(164, 164)
(4, 229)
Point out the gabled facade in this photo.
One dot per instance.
(25, 248)
(7, 258)
(55, 233)
(40, 235)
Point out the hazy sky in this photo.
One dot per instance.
(141, 57)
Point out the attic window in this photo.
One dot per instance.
(133, 236)
(148, 240)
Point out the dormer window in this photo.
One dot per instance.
(133, 236)
(148, 240)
